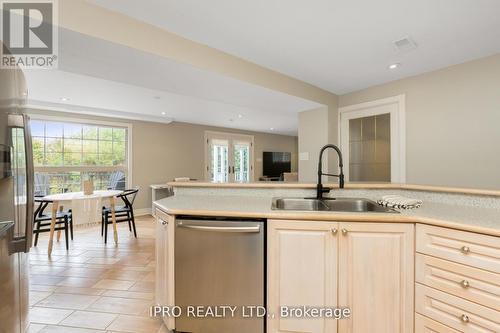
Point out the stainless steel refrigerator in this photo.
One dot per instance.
(16, 201)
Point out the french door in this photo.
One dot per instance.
(228, 157)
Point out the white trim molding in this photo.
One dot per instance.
(398, 131)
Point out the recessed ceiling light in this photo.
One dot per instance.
(64, 99)
(240, 116)
(272, 128)
(163, 113)
(394, 66)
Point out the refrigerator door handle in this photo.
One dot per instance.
(30, 183)
(23, 243)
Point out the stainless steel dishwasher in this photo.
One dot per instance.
(219, 262)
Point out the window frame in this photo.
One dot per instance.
(84, 121)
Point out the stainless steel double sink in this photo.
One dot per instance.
(357, 205)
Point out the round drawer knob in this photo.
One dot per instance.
(465, 318)
(344, 231)
(465, 249)
(465, 284)
(334, 231)
(163, 222)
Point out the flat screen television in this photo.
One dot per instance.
(276, 163)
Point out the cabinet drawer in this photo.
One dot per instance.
(426, 325)
(467, 248)
(161, 214)
(455, 312)
(474, 284)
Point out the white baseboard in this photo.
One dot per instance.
(142, 211)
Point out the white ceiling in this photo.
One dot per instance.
(101, 78)
(338, 45)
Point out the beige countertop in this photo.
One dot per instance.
(299, 185)
(476, 219)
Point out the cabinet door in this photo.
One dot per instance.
(164, 288)
(302, 271)
(376, 278)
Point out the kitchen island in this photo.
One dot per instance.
(431, 269)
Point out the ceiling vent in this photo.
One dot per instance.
(405, 44)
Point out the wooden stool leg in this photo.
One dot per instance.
(55, 206)
(113, 218)
(102, 224)
(59, 231)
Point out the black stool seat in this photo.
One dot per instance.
(42, 221)
(124, 213)
(48, 216)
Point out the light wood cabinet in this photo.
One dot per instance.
(164, 283)
(468, 248)
(365, 266)
(470, 283)
(455, 312)
(427, 325)
(302, 270)
(376, 277)
(458, 279)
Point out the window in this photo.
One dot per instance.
(228, 157)
(66, 153)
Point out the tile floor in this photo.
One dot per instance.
(93, 287)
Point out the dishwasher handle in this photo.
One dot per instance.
(254, 229)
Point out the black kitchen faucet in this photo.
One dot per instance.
(319, 187)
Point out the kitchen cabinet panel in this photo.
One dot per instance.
(464, 247)
(164, 284)
(302, 271)
(376, 277)
(470, 283)
(427, 325)
(455, 312)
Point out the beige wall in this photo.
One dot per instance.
(452, 123)
(161, 152)
(313, 134)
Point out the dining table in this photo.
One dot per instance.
(60, 199)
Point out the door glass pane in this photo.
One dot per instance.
(370, 149)
(219, 164)
(242, 162)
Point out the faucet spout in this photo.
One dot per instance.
(319, 187)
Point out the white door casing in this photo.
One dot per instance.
(396, 107)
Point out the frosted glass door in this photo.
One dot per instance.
(219, 163)
(370, 149)
(241, 154)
